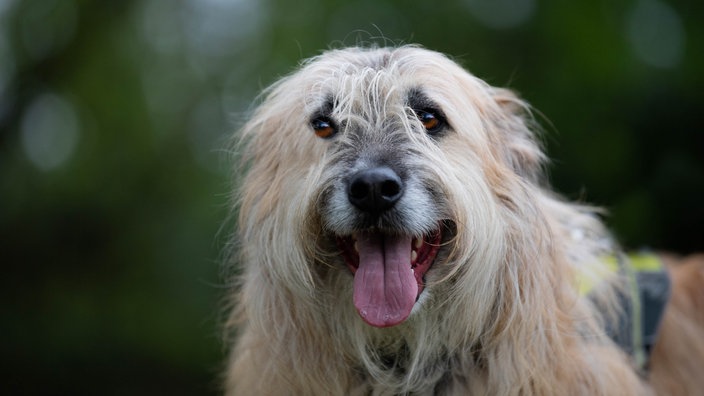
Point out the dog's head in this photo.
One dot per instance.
(394, 166)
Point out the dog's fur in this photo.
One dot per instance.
(499, 313)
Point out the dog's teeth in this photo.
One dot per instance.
(356, 248)
(414, 256)
(418, 243)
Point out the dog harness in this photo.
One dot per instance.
(635, 328)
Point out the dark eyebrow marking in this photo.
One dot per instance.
(418, 100)
(325, 110)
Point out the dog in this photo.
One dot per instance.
(397, 236)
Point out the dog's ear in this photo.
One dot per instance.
(517, 131)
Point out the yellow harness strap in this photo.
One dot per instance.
(643, 305)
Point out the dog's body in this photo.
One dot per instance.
(397, 237)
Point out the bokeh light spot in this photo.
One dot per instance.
(49, 131)
(656, 34)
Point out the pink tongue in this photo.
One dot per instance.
(385, 288)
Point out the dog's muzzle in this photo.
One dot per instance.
(388, 267)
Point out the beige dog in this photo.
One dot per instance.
(397, 236)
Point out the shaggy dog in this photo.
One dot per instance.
(397, 236)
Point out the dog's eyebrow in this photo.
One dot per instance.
(418, 100)
(325, 110)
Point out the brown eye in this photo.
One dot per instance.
(323, 127)
(430, 120)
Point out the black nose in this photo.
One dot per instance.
(375, 190)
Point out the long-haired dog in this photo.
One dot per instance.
(397, 236)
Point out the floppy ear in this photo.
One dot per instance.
(516, 129)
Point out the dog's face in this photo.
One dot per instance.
(381, 196)
(397, 165)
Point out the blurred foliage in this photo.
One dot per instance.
(114, 116)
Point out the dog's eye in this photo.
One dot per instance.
(323, 127)
(430, 120)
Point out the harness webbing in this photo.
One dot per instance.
(642, 304)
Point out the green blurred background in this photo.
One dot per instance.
(114, 119)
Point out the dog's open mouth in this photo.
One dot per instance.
(388, 272)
